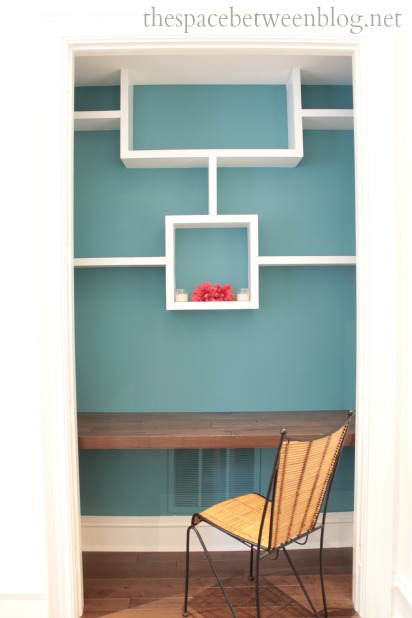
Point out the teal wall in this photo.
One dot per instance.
(90, 98)
(210, 117)
(297, 352)
(329, 97)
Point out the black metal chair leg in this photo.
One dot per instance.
(301, 583)
(184, 610)
(257, 586)
(251, 578)
(219, 581)
(322, 581)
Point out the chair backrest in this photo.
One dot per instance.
(302, 476)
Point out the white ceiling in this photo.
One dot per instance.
(213, 67)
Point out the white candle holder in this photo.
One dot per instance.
(243, 294)
(181, 295)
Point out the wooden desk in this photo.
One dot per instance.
(160, 430)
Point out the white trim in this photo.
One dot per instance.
(62, 503)
(402, 597)
(376, 327)
(23, 606)
(169, 534)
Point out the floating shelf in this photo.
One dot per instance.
(199, 306)
(97, 121)
(200, 158)
(118, 262)
(307, 260)
(327, 119)
(263, 260)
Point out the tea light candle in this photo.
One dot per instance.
(243, 294)
(181, 295)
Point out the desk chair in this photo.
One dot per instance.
(300, 483)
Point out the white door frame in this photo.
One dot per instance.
(376, 296)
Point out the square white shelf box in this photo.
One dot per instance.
(250, 222)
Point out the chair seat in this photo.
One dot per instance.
(240, 517)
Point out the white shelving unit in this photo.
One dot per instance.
(298, 120)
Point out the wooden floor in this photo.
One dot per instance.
(150, 585)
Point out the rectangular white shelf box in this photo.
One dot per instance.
(250, 222)
(199, 157)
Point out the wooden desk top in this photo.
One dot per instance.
(166, 430)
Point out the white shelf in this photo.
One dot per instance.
(270, 157)
(307, 260)
(327, 119)
(263, 260)
(200, 158)
(118, 262)
(199, 306)
(97, 121)
(250, 222)
(298, 120)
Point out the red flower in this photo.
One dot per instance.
(205, 292)
(223, 293)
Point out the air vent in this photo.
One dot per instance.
(199, 478)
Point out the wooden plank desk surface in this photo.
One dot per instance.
(166, 430)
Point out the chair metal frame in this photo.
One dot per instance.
(262, 551)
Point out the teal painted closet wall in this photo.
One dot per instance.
(210, 117)
(327, 97)
(296, 352)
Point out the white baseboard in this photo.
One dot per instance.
(169, 534)
(402, 597)
(23, 606)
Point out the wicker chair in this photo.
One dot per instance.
(300, 483)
